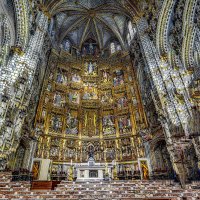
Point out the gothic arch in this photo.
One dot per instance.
(20, 156)
(161, 156)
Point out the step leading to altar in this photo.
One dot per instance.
(112, 190)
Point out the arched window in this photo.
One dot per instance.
(128, 38)
(50, 28)
(119, 48)
(131, 30)
(112, 47)
(66, 45)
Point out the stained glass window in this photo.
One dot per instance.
(112, 47)
(66, 45)
(128, 38)
(131, 30)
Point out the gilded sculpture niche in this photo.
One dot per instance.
(118, 78)
(89, 107)
(72, 123)
(90, 92)
(124, 123)
(90, 68)
(109, 124)
(106, 97)
(56, 123)
(61, 77)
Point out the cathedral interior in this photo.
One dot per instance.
(105, 87)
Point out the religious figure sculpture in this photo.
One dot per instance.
(56, 123)
(107, 97)
(91, 68)
(122, 102)
(90, 93)
(19, 91)
(51, 76)
(119, 78)
(55, 142)
(43, 113)
(57, 100)
(66, 46)
(145, 171)
(108, 125)
(59, 78)
(54, 152)
(74, 97)
(72, 125)
(46, 100)
(90, 151)
(76, 78)
(124, 124)
(64, 80)
(49, 87)
(106, 76)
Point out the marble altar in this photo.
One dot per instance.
(92, 171)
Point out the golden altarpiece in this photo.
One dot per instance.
(90, 105)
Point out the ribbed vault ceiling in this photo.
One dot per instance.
(79, 20)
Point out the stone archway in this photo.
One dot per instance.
(19, 157)
(161, 158)
(21, 154)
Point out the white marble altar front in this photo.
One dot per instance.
(92, 171)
